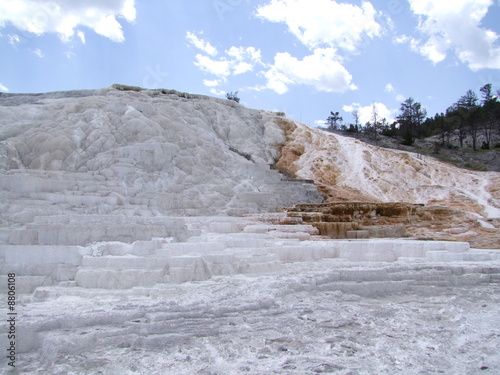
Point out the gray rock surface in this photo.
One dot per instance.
(138, 154)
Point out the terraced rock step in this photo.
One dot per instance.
(168, 316)
(362, 220)
(196, 250)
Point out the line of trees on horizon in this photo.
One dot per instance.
(470, 116)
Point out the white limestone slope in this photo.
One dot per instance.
(353, 170)
(144, 153)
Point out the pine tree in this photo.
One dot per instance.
(489, 113)
(468, 109)
(410, 118)
(334, 120)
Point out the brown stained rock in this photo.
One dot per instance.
(290, 151)
(396, 219)
(350, 211)
(343, 219)
(335, 230)
(485, 241)
(494, 188)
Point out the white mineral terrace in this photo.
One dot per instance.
(237, 295)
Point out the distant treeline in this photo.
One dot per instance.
(470, 115)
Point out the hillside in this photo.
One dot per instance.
(346, 169)
(463, 157)
(152, 153)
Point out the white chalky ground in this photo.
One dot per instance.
(263, 303)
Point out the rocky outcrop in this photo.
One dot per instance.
(346, 169)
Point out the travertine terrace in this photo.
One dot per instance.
(158, 232)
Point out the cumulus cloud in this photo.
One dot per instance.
(220, 67)
(322, 70)
(324, 22)
(64, 17)
(201, 44)
(234, 61)
(3, 88)
(211, 83)
(456, 27)
(366, 113)
(328, 29)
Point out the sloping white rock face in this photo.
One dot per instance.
(138, 153)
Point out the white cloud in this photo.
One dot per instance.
(319, 123)
(456, 27)
(39, 53)
(401, 39)
(63, 17)
(324, 22)
(242, 67)
(237, 60)
(390, 88)
(201, 44)
(220, 68)
(3, 88)
(366, 113)
(211, 83)
(325, 27)
(244, 59)
(322, 70)
(276, 81)
(241, 53)
(217, 92)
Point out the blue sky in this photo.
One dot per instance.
(303, 57)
